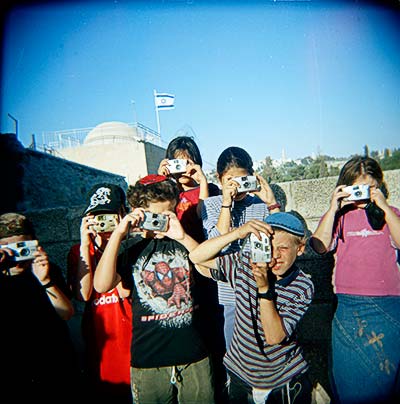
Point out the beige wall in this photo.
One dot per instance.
(131, 160)
(311, 198)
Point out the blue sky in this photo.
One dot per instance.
(307, 76)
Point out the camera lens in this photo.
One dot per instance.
(178, 167)
(246, 185)
(155, 223)
(102, 224)
(257, 245)
(24, 252)
(357, 194)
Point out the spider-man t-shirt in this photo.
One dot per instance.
(164, 307)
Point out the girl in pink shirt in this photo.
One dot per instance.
(363, 232)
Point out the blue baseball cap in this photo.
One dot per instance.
(287, 222)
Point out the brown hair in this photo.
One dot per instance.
(140, 195)
(360, 166)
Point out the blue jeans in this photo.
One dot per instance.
(366, 349)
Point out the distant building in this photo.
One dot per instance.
(132, 151)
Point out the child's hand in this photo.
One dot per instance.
(130, 222)
(41, 266)
(229, 190)
(87, 230)
(254, 226)
(337, 201)
(195, 172)
(175, 230)
(260, 273)
(163, 168)
(378, 197)
(265, 193)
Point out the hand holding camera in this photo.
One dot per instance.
(105, 223)
(20, 251)
(154, 222)
(260, 250)
(248, 183)
(357, 192)
(177, 166)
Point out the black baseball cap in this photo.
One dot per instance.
(105, 197)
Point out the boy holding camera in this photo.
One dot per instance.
(264, 362)
(168, 358)
(37, 357)
(105, 318)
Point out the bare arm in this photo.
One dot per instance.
(206, 252)
(41, 269)
(266, 194)
(82, 286)
(322, 237)
(229, 191)
(270, 318)
(106, 277)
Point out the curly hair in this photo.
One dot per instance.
(140, 195)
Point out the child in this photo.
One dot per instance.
(263, 359)
(37, 357)
(107, 318)
(192, 183)
(363, 231)
(168, 358)
(232, 209)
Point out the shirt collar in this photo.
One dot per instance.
(289, 276)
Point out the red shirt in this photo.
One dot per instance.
(107, 330)
(186, 211)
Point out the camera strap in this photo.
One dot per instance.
(375, 216)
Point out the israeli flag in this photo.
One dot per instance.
(164, 101)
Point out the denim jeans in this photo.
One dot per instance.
(193, 384)
(366, 349)
(299, 389)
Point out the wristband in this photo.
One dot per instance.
(226, 206)
(49, 284)
(270, 295)
(274, 206)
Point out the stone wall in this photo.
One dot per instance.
(50, 191)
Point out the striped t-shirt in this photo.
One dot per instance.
(251, 207)
(249, 356)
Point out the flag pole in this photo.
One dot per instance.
(157, 116)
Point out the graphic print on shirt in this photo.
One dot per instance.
(163, 287)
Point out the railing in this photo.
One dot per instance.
(62, 139)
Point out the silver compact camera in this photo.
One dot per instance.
(260, 250)
(23, 250)
(105, 223)
(154, 221)
(176, 166)
(357, 192)
(247, 183)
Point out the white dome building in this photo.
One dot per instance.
(119, 148)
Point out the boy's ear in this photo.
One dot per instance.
(300, 249)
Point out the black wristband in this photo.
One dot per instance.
(226, 206)
(270, 294)
(49, 284)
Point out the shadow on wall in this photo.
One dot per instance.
(11, 167)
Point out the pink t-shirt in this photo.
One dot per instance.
(366, 259)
